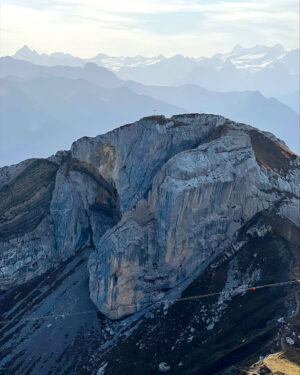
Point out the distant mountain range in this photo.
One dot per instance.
(43, 108)
(60, 58)
(255, 58)
(292, 100)
(90, 72)
(271, 70)
(39, 115)
(249, 107)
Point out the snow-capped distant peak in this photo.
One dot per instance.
(254, 58)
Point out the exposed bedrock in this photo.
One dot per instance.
(191, 212)
(131, 155)
(48, 211)
(183, 185)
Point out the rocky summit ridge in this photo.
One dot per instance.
(165, 205)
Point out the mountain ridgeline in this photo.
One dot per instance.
(44, 108)
(97, 244)
(272, 70)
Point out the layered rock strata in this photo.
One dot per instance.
(50, 209)
(186, 185)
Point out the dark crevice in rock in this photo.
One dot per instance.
(107, 199)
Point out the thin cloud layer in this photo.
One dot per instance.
(149, 27)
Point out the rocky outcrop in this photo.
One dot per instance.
(183, 185)
(190, 205)
(131, 155)
(226, 333)
(49, 210)
(188, 208)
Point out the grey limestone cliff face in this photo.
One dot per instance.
(158, 200)
(131, 155)
(188, 208)
(49, 209)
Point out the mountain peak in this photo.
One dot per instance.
(91, 67)
(25, 53)
(238, 48)
(104, 205)
(25, 48)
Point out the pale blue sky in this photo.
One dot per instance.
(147, 27)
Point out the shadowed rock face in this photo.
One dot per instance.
(107, 198)
(49, 210)
(192, 204)
(26, 200)
(226, 333)
(187, 207)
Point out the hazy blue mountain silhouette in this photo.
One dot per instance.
(250, 107)
(90, 72)
(45, 108)
(40, 115)
(272, 70)
(292, 100)
(56, 58)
